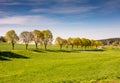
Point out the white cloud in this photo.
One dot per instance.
(12, 20)
(27, 20)
(65, 10)
(10, 3)
(63, 29)
(18, 30)
(73, 10)
(113, 4)
(26, 23)
(110, 6)
(2, 13)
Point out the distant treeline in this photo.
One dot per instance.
(45, 37)
(78, 42)
(111, 41)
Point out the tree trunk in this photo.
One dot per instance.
(13, 46)
(72, 46)
(82, 47)
(85, 47)
(66, 46)
(96, 46)
(26, 46)
(36, 45)
(45, 46)
(60, 47)
(77, 46)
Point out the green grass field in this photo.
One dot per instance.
(55, 66)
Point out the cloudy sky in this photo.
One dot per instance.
(93, 19)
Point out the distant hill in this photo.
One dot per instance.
(111, 41)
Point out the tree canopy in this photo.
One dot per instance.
(47, 37)
(37, 37)
(11, 37)
(26, 37)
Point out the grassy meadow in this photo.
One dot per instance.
(58, 66)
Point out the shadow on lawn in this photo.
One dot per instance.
(95, 50)
(7, 55)
(67, 51)
(38, 50)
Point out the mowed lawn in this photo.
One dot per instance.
(58, 66)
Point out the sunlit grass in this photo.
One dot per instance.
(56, 66)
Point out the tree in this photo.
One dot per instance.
(65, 42)
(98, 43)
(26, 37)
(92, 43)
(71, 42)
(83, 44)
(59, 41)
(116, 43)
(11, 37)
(88, 43)
(77, 41)
(47, 37)
(2, 39)
(37, 37)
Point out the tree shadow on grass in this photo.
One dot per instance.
(7, 55)
(75, 51)
(66, 51)
(49, 50)
(37, 50)
(95, 50)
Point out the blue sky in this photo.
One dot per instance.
(93, 19)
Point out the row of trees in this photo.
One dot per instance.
(44, 37)
(83, 42)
